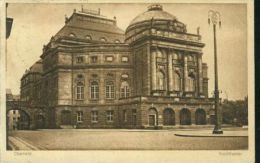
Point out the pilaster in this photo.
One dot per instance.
(170, 72)
(153, 63)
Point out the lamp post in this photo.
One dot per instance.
(215, 18)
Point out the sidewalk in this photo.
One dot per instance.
(208, 133)
(16, 143)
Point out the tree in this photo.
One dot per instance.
(235, 112)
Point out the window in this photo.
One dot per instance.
(125, 115)
(72, 35)
(110, 114)
(46, 84)
(80, 76)
(109, 58)
(79, 116)
(94, 90)
(160, 80)
(110, 90)
(88, 37)
(110, 75)
(124, 59)
(103, 39)
(94, 59)
(80, 91)
(124, 76)
(177, 81)
(13, 111)
(191, 83)
(124, 90)
(79, 59)
(94, 116)
(134, 116)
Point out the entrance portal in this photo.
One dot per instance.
(151, 120)
(185, 117)
(200, 117)
(152, 117)
(168, 117)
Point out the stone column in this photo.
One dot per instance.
(177, 117)
(170, 73)
(193, 119)
(153, 62)
(185, 74)
(200, 75)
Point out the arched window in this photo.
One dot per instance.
(94, 90)
(160, 80)
(103, 39)
(80, 91)
(88, 37)
(191, 83)
(72, 35)
(117, 41)
(177, 81)
(124, 90)
(110, 90)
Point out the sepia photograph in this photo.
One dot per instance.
(162, 77)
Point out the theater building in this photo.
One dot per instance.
(92, 74)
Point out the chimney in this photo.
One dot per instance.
(66, 19)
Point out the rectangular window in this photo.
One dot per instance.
(79, 116)
(109, 58)
(80, 92)
(125, 115)
(79, 59)
(94, 59)
(134, 117)
(94, 116)
(125, 92)
(94, 90)
(110, 91)
(125, 59)
(110, 114)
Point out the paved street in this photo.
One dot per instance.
(107, 139)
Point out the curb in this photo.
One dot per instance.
(182, 135)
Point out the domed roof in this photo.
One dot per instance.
(155, 11)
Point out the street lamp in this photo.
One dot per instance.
(215, 18)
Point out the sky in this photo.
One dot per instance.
(34, 24)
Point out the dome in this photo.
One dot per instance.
(155, 11)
